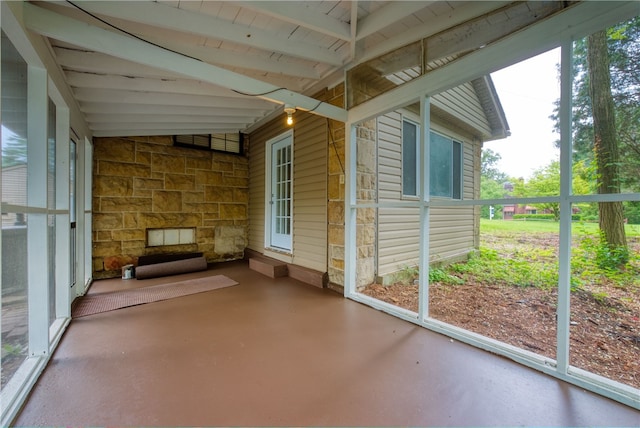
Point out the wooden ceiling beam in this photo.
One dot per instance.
(59, 27)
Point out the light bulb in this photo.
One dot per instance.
(289, 110)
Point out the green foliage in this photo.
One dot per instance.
(632, 212)
(600, 297)
(488, 168)
(406, 275)
(545, 181)
(607, 258)
(491, 267)
(492, 182)
(10, 350)
(527, 265)
(14, 149)
(624, 56)
(515, 228)
(542, 217)
(437, 274)
(593, 261)
(534, 217)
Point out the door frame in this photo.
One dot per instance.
(268, 244)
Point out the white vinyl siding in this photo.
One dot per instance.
(463, 104)
(309, 189)
(310, 192)
(452, 229)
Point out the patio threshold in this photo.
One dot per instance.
(276, 351)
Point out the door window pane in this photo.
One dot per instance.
(440, 170)
(409, 158)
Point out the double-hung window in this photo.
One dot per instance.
(445, 166)
(410, 158)
(445, 163)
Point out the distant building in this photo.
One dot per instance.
(508, 211)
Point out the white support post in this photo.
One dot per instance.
(350, 211)
(1, 266)
(85, 174)
(63, 233)
(423, 279)
(37, 234)
(564, 256)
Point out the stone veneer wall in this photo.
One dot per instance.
(335, 192)
(366, 191)
(145, 182)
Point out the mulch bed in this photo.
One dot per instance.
(604, 332)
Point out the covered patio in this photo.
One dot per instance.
(283, 353)
(299, 132)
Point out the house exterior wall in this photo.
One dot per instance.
(310, 193)
(142, 183)
(463, 104)
(336, 187)
(309, 246)
(453, 230)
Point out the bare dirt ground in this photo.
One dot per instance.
(605, 320)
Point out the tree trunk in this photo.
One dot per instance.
(606, 141)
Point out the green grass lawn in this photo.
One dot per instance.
(524, 254)
(520, 226)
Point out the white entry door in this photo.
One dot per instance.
(280, 194)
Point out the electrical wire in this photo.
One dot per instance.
(115, 27)
(314, 109)
(260, 95)
(333, 143)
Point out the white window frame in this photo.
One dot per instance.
(416, 155)
(277, 251)
(43, 337)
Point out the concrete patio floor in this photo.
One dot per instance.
(278, 352)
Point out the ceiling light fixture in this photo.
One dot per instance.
(289, 110)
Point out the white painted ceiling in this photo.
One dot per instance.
(197, 67)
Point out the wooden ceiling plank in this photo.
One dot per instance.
(387, 15)
(353, 30)
(130, 83)
(148, 132)
(165, 118)
(190, 111)
(226, 58)
(167, 126)
(302, 14)
(167, 17)
(54, 25)
(93, 61)
(89, 61)
(431, 27)
(154, 98)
